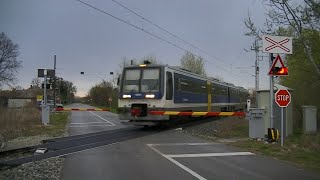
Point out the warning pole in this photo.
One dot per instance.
(271, 93)
(282, 126)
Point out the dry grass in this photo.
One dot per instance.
(13, 121)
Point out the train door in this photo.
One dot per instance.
(169, 86)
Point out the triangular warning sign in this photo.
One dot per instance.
(276, 70)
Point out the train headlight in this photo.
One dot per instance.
(126, 96)
(150, 95)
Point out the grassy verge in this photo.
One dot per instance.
(300, 149)
(113, 110)
(55, 128)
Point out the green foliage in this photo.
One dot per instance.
(65, 90)
(193, 63)
(303, 78)
(99, 94)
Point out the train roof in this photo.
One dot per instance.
(179, 68)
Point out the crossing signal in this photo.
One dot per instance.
(278, 71)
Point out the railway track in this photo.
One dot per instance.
(68, 145)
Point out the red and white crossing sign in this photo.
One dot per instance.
(283, 97)
(278, 68)
(277, 44)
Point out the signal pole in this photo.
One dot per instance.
(255, 48)
(54, 83)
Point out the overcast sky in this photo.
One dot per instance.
(87, 40)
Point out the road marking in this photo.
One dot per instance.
(102, 118)
(184, 144)
(210, 154)
(91, 125)
(177, 163)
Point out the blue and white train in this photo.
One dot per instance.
(146, 87)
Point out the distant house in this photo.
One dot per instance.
(19, 98)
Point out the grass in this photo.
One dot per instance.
(233, 127)
(55, 128)
(20, 122)
(299, 149)
(113, 110)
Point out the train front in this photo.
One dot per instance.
(141, 90)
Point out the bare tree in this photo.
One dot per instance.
(9, 65)
(36, 82)
(193, 63)
(295, 18)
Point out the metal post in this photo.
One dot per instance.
(271, 93)
(45, 109)
(45, 88)
(256, 48)
(54, 83)
(281, 126)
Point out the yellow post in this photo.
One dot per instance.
(209, 95)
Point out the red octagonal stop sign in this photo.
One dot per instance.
(282, 97)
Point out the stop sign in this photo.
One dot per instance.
(283, 97)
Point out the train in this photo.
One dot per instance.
(146, 87)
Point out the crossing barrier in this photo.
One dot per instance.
(177, 113)
(81, 109)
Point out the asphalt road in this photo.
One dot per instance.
(83, 122)
(170, 154)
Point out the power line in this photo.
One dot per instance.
(149, 21)
(124, 21)
(168, 32)
(148, 32)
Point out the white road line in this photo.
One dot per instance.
(90, 123)
(80, 126)
(184, 144)
(209, 154)
(102, 118)
(177, 163)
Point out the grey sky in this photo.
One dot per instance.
(86, 40)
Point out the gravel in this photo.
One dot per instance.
(44, 169)
(216, 129)
(21, 142)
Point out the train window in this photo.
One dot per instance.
(150, 80)
(169, 86)
(131, 80)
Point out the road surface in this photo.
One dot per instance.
(170, 154)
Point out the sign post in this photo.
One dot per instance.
(283, 99)
(278, 45)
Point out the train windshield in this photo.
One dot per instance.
(141, 80)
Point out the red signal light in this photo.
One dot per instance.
(283, 71)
